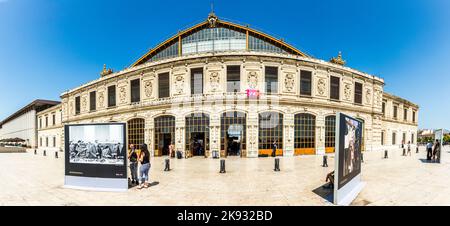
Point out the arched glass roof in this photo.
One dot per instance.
(215, 35)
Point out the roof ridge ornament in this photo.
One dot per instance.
(106, 71)
(338, 59)
(212, 18)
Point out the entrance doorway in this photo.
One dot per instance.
(164, 143)
(198, 144)
(233, 142)
(232, 134)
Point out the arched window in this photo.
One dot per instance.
(232, 133)
(305, 134)
(164, 134)
(330, 133)
(136, 128)
(197, 134)
(270, 130)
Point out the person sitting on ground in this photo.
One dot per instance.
(330, 178)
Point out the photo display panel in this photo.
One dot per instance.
(96, 150)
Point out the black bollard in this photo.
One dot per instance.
(222, 166)
(362, 157)
(167, 165)
(386, 154)
(45, 153)
(325, 161)
(56, 154)
(404, 152)
(35, 151)
(417, 149)
(277, 164)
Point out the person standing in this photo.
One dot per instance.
(274, 148)
(436, 150)
(409, 148)
(429, 150)
(133, 157)
(144, 159)
(171, 150)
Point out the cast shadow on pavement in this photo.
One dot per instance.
(426, 161)
(325, 193)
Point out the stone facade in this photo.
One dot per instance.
(215, 99)
(50, 129)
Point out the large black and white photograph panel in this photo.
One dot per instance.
(350, 135)
(97, 144)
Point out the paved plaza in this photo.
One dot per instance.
(29, 179)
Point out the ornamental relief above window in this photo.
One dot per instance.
(289, 82)
(252, 79)
(122, 94)
(321, 86)
(148, 88)
(101, 99)
(368, 96)
(179, 84)
(83, 103)
(347, 91)
(214, 80)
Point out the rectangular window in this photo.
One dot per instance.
(405, 114)
(40, 124)
(382, 137)
(404, 138)
(54, 141)
(358, 93)
(54, 119)
(197, 81)
(271, 80)
(412, 138)
(395, 112)
(112, 96)
(305, 83)
(46, 142)
(46, 121)
(414, 116)
(77, 105)
(135, 91)
(334, 87)
(92, 101)
(383, 108)
(163, 84)
(394, 138)
(233, 79)
(40, 141)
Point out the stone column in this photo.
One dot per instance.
(320, 134)
(214, 135)
(288, 135)
(252, 134)
(149, 136)
(179, 134)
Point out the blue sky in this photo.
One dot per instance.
(48, 47)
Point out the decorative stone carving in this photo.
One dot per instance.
(252, 79)
(101, 98)
(368, 96)
(289, 82)
(71, 109)
(122, 94)
(321, 86)
(148, 88)
(83, 103)
(347, 91)
(179, 84)
(214, 80)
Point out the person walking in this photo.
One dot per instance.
(144, 159)
(429, 150)
(409, 148)
(133, 157)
